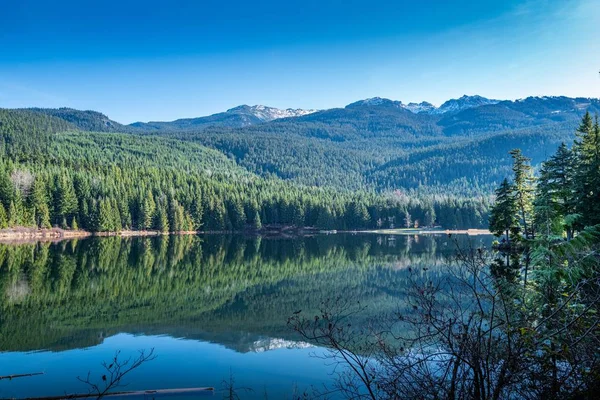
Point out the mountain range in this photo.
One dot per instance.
(460, 147)
(554, 108)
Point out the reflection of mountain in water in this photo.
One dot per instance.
(231, 290)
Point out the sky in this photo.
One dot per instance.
(162, 60)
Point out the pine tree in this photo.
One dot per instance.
(556, 193)
(3, 217)
(502, 214)
(177, 221)
(197, 212)
(430, 216)
(116, 216)
(14, 216)
(254, 215)
(7, 189)
(39, 203)
(523, 189)
(216, 216)
(236, 214)
(66, 199)
(105, 216)
(161, 217)
(147, 211)
(587, 177)
(357, 215)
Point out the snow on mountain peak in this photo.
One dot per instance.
(464, 102)
(266, 114)
(379, 101)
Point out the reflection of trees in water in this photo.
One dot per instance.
(74, 292)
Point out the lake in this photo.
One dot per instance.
(209, 306)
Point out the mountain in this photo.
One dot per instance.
(375, 144)
(463, 103)
(381, 144)
(266, 114)
(424, 106)
(236, 117)
(378, 101)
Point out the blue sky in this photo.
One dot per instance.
(162, 60)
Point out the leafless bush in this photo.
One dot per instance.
(465, 334)
(22, 180)
(115, 371)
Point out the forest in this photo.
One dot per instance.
(54, 174)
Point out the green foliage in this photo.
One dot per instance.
(502, 215)
(587, 180)
(3, 217)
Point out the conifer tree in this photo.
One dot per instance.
(3, 217)
(502, 214)
(66, 199)
(161, 218)
(587, 179)
(7, 189)
(523, 192)
(105, 216)
(14, 217)
(556, 194)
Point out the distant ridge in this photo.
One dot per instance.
(464, 113)
(237, 117)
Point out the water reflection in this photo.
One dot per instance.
(233, 291)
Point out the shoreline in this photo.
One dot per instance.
(28, 235)
(426, 231)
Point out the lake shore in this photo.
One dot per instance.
(25, 235)
(426, 231)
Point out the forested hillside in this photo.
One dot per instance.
(112, 182)
(374, 163)
(380, 145)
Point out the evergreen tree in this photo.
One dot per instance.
(14, 217)
(147, 210)
(236, 214)
(502, 214)
(161, 217)
(523, 189)
(177, 221)
(7, 189)
(429, 219)
(556, 194)
(39, 203)
(197, 212)
(3, 217)
(587, 179)
(66, 199)
(106, 221)
(254, 215)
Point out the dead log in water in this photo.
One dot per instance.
(11, 377)
(206, 391)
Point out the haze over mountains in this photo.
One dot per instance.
(461, 146)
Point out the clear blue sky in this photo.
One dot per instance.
(162, 60)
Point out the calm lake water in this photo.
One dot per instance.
(208, 305)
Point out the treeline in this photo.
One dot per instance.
(113, 182)
(562, 201)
